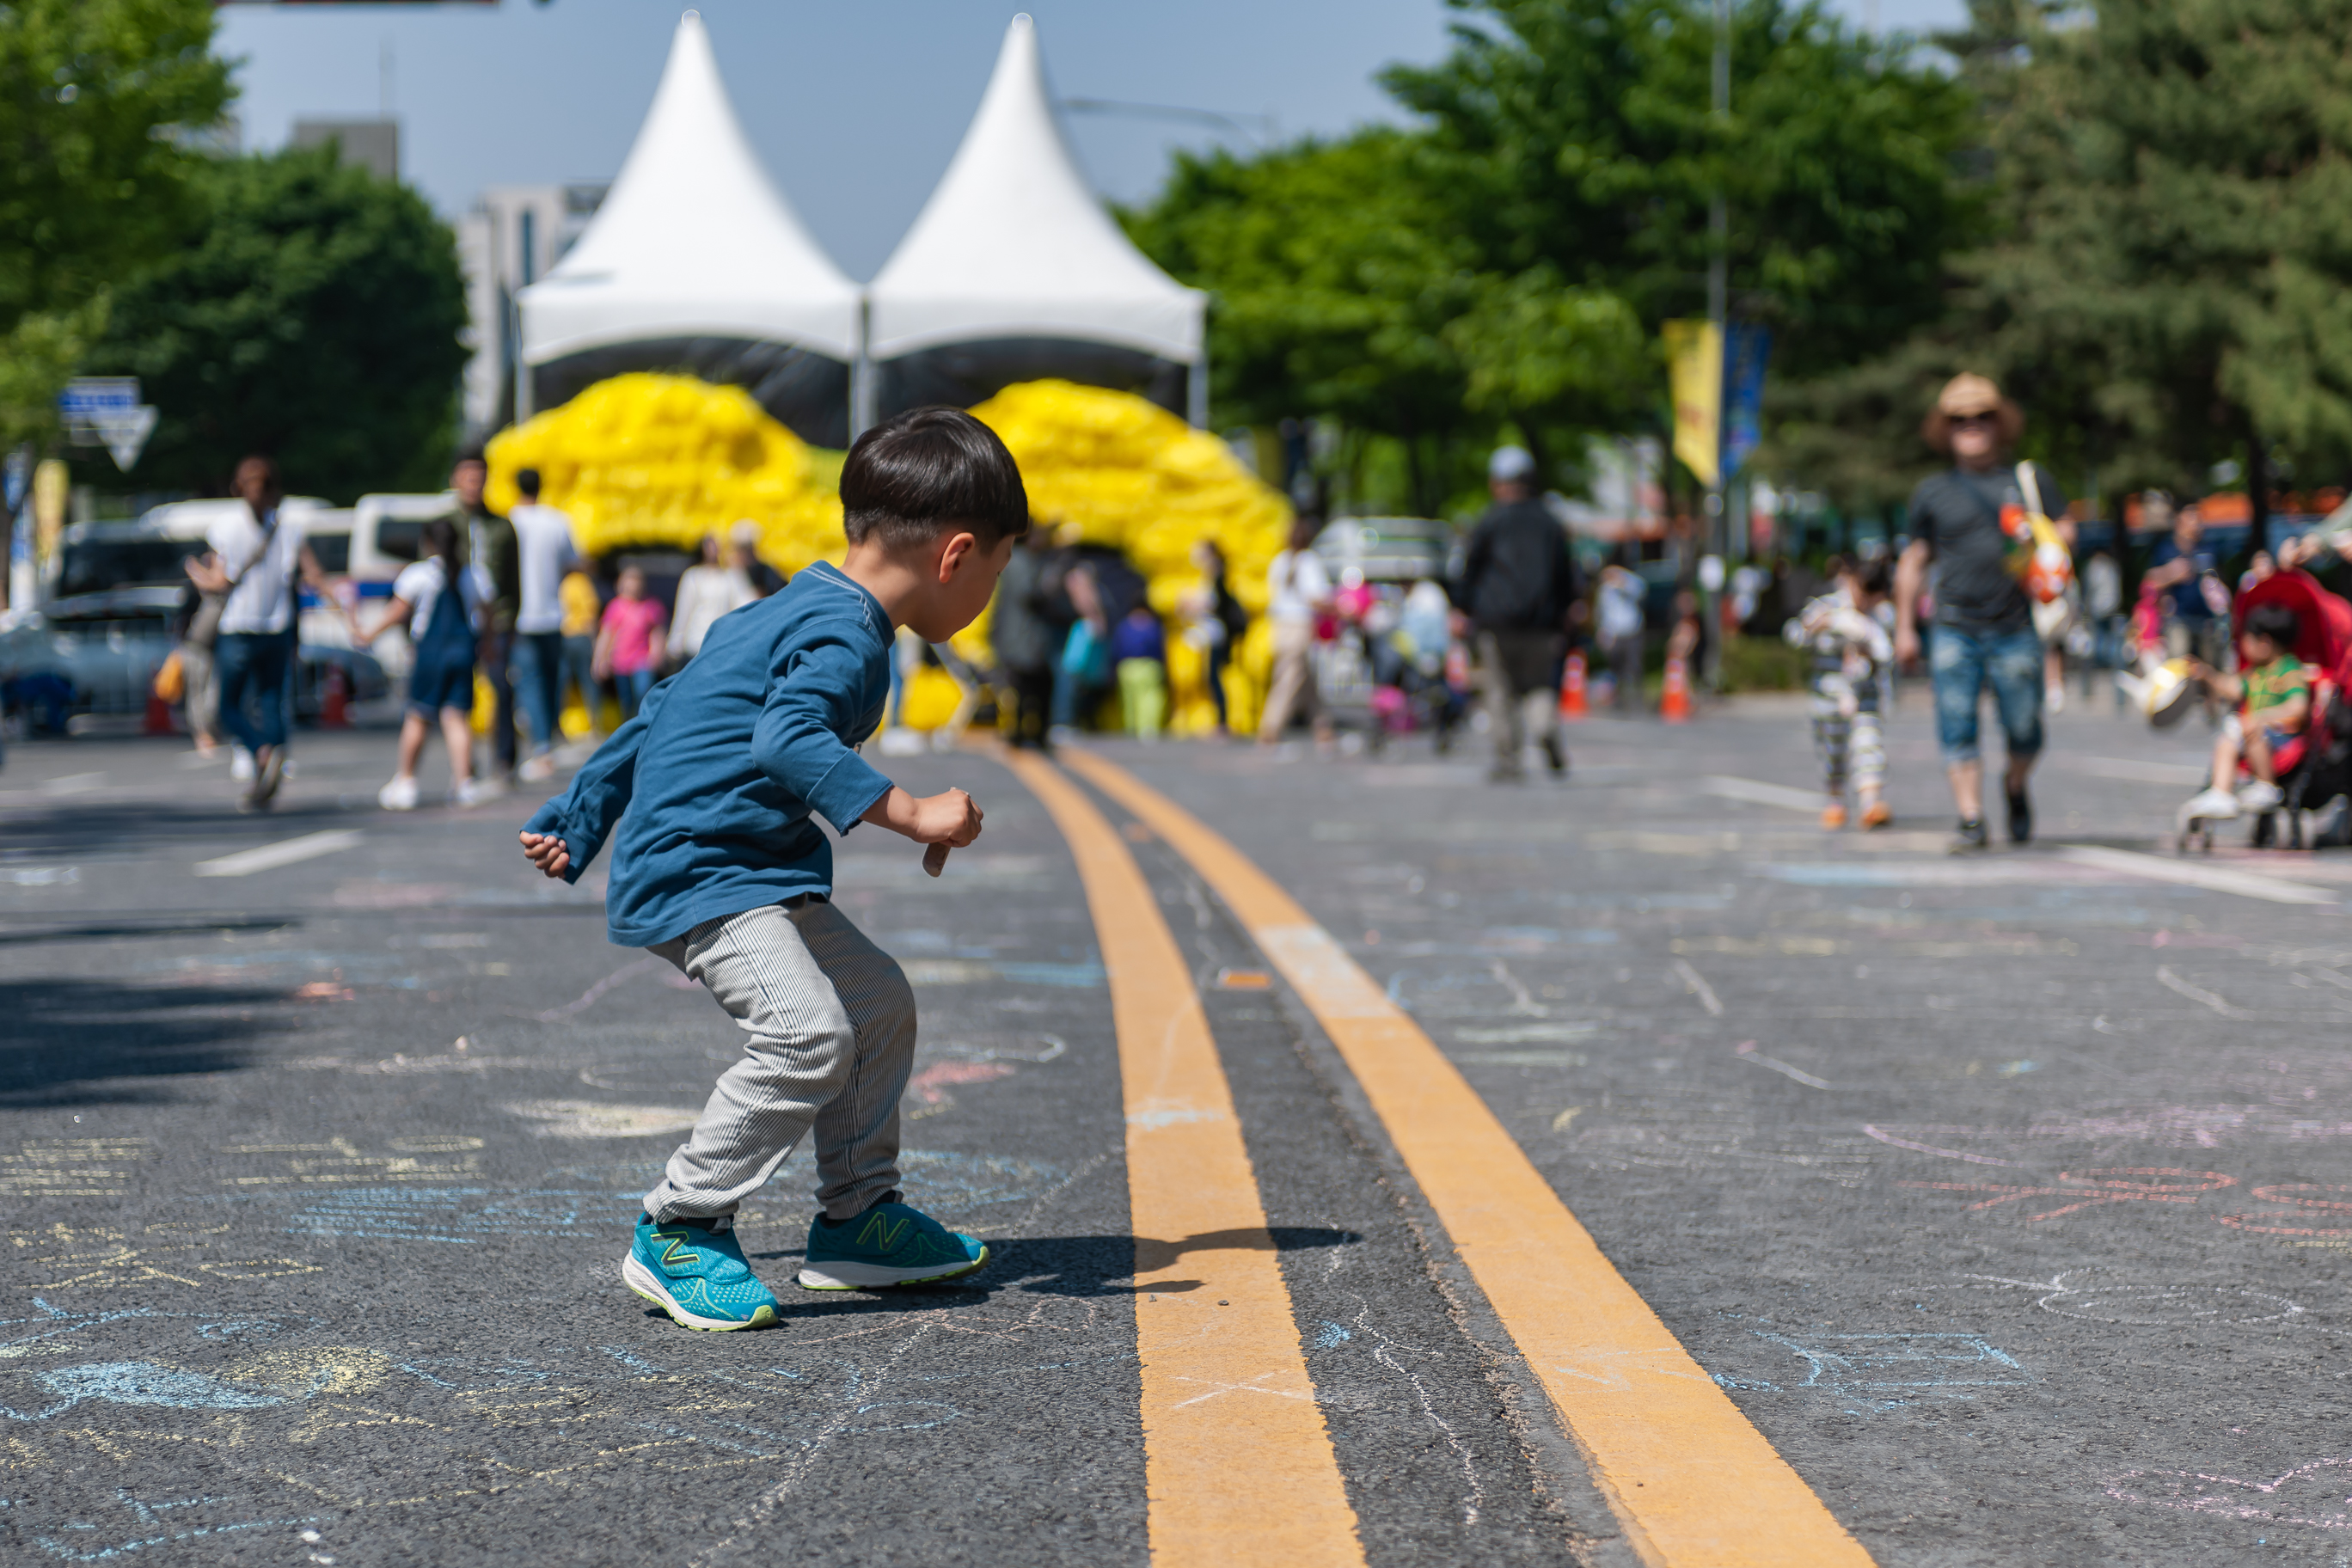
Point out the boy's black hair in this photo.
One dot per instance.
(2276, 622)
(1876, 577)
(916, 472)
(527, 481)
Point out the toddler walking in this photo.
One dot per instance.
(1851, 652)
(708, 796)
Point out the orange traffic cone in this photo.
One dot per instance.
(334, 705)
(159, 717)
(1674, 701)
(1571, 689)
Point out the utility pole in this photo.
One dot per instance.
(1718, 280)
(1718, 536)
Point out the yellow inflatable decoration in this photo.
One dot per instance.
(1132, 476)
(664, 461)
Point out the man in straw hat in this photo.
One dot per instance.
(1970, 523)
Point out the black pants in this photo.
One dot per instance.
(1033, 705)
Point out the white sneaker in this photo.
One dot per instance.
(2213, 806)
(399, 795)
(537, 769)
(240, 765)
(2256, 795)
(2053, 698)
(473, 792)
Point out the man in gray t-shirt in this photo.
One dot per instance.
(1969, 524)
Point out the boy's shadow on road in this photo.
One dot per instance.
(1076, 1266)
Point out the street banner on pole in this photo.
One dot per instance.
(1694, 361)
(1746, 348)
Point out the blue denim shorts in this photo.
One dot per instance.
(1963, 663)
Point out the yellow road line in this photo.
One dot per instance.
(1690, 1477)
(1237, 1465)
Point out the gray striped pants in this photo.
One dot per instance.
(830, 1022)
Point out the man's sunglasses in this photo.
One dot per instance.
(1973, 418)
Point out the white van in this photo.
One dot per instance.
(114, 593)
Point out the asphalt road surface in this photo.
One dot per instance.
(1611, 1171)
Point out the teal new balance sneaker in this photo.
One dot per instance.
(694, 1271)
(890, 1244)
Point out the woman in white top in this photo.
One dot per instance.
(1297, 591)
(446, 626)
(706, 591)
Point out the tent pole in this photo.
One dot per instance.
(1196, 389)
(861, 372)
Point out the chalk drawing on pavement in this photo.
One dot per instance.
(108, 1257)
(2100, 1297)
(2312, 1494)
(1884, 1372)
(71, 1167)
(337, 1160)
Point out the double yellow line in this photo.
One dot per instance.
(1238, 1462)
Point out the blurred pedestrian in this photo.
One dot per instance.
(583, 611)
(1218, 625)
(744, 544)
(2196, 603)
(1619, 624)
(1849, 653)
(707, 590)
(1970, 522)
(1298, 594)
(1139, 655)
(488, 542)
(198, 627)
(444, 601)
(629, 643)
(256, 557)
(544, 553)
(1520, 591)
(1082, 676)
(1027, 643)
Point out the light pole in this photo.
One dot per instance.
(1718, 280)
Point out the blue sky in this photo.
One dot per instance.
(857, 107)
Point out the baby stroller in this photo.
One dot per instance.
(2315, 766)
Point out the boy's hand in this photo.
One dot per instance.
(547, 852)
(951, 819)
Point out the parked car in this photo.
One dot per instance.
(106, 624)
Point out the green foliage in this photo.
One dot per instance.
(1579, 134)
(96, 98)
(317, 321)
(1761, 664)
(2178, 198)
(1503, 269)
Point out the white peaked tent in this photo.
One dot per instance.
(696, 262)
(1013, 253)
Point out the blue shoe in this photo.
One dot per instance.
(890, 1244)
(694, 1271)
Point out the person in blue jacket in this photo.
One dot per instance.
(708, 797)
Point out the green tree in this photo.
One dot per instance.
(1343, 291)
(98, 98)
(2176, 179)
(317, 321)
(1580, 135)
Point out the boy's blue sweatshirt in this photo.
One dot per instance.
(713, 781)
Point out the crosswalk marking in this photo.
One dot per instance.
(285, 852)
(1237, 1464)
(2198, 874)
(1693, 1482)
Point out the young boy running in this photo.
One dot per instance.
(708, 794)
(1850, 652)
